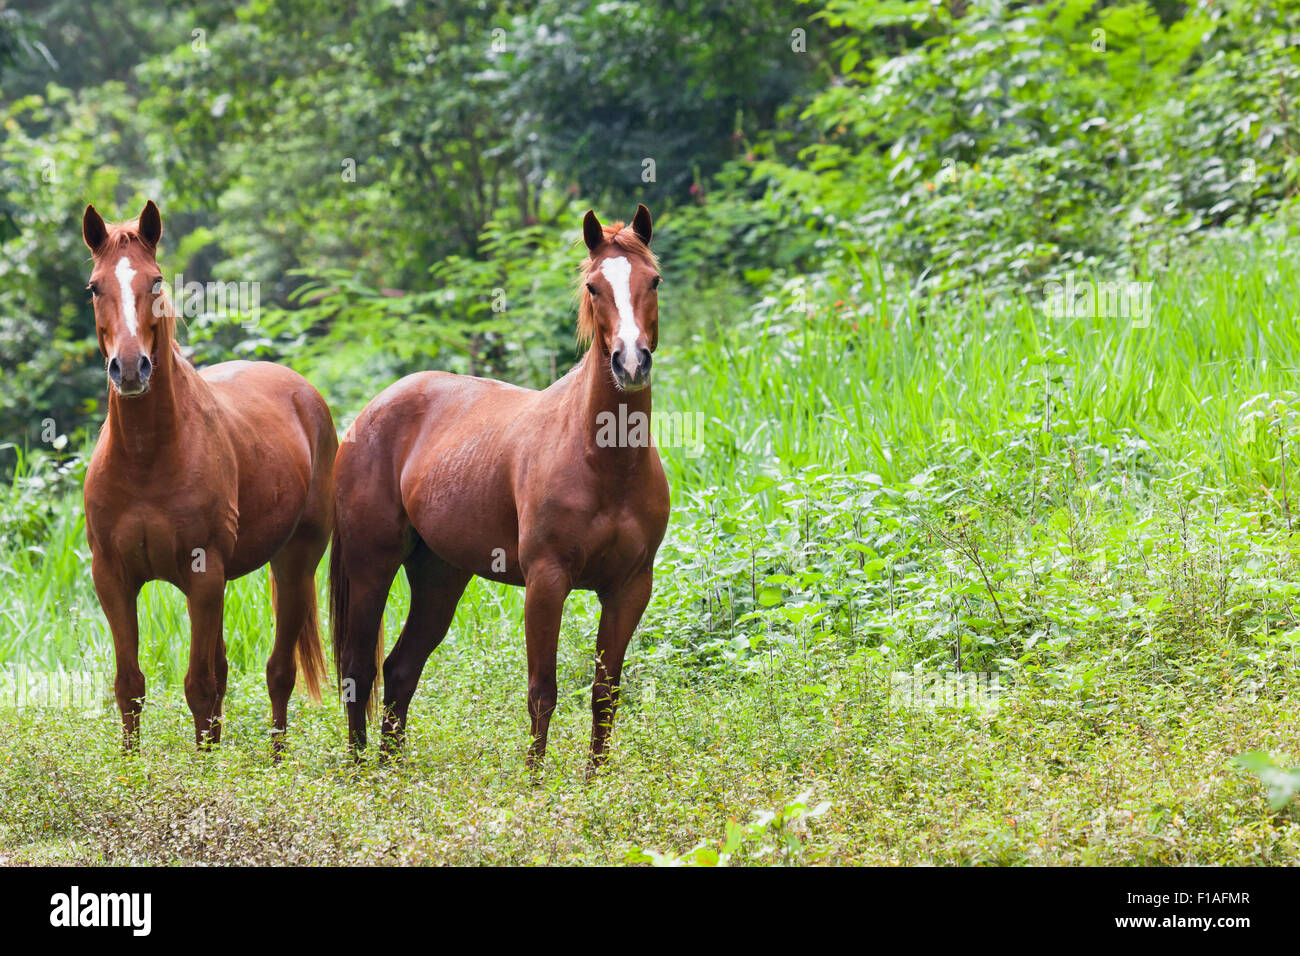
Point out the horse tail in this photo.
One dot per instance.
(307, 649)
(338, 607)
(341, 633)
(311, 657)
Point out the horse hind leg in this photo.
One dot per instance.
(362, 568)
(297, 637)
(372, 538)
(293, 586)
(436, 588)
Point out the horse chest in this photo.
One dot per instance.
(148, 545)
(166, 540)
(614, 544)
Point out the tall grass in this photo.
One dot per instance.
(836, 368)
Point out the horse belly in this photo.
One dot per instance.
(276, 468)
(258, 544)
(270, 508)
(490, 552)
(464, 511)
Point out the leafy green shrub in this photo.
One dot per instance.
(987, 150)
(1281, 783)
(781, 834)
(39, 484)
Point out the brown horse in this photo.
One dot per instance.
(451, 476)
(199, 478)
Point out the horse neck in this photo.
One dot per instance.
(602, 397)
(140, 426)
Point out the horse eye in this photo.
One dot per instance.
(591, 288)
(157, 285)
(94, 289)
(654, 283)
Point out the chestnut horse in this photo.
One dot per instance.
(199, 478)
(450, 476)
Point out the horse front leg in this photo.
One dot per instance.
(546, 590)
(118, 599)
(205, 681)
(620, 612)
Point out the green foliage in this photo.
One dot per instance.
(47, 343)
(1281, 783)
(403, 162)
(600, 88)
(372, 136)
(39, 486)
(779, 833)
(1022, 140)
(1145, 778)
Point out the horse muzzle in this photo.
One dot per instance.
(130, 375)
(628, 377)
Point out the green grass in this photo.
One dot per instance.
(1143, 777)
(1099, 513)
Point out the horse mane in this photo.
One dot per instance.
(627, 241)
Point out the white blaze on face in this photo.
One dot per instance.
(618, 272)
(125, 274)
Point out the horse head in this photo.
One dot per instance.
(126, 288)
(619, 307)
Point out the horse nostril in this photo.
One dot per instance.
(644, 354)
(145, 367)
(115, 370)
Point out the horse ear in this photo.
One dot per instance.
(592, 234)
(93, 230)
(150, 224)
(641, 223)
